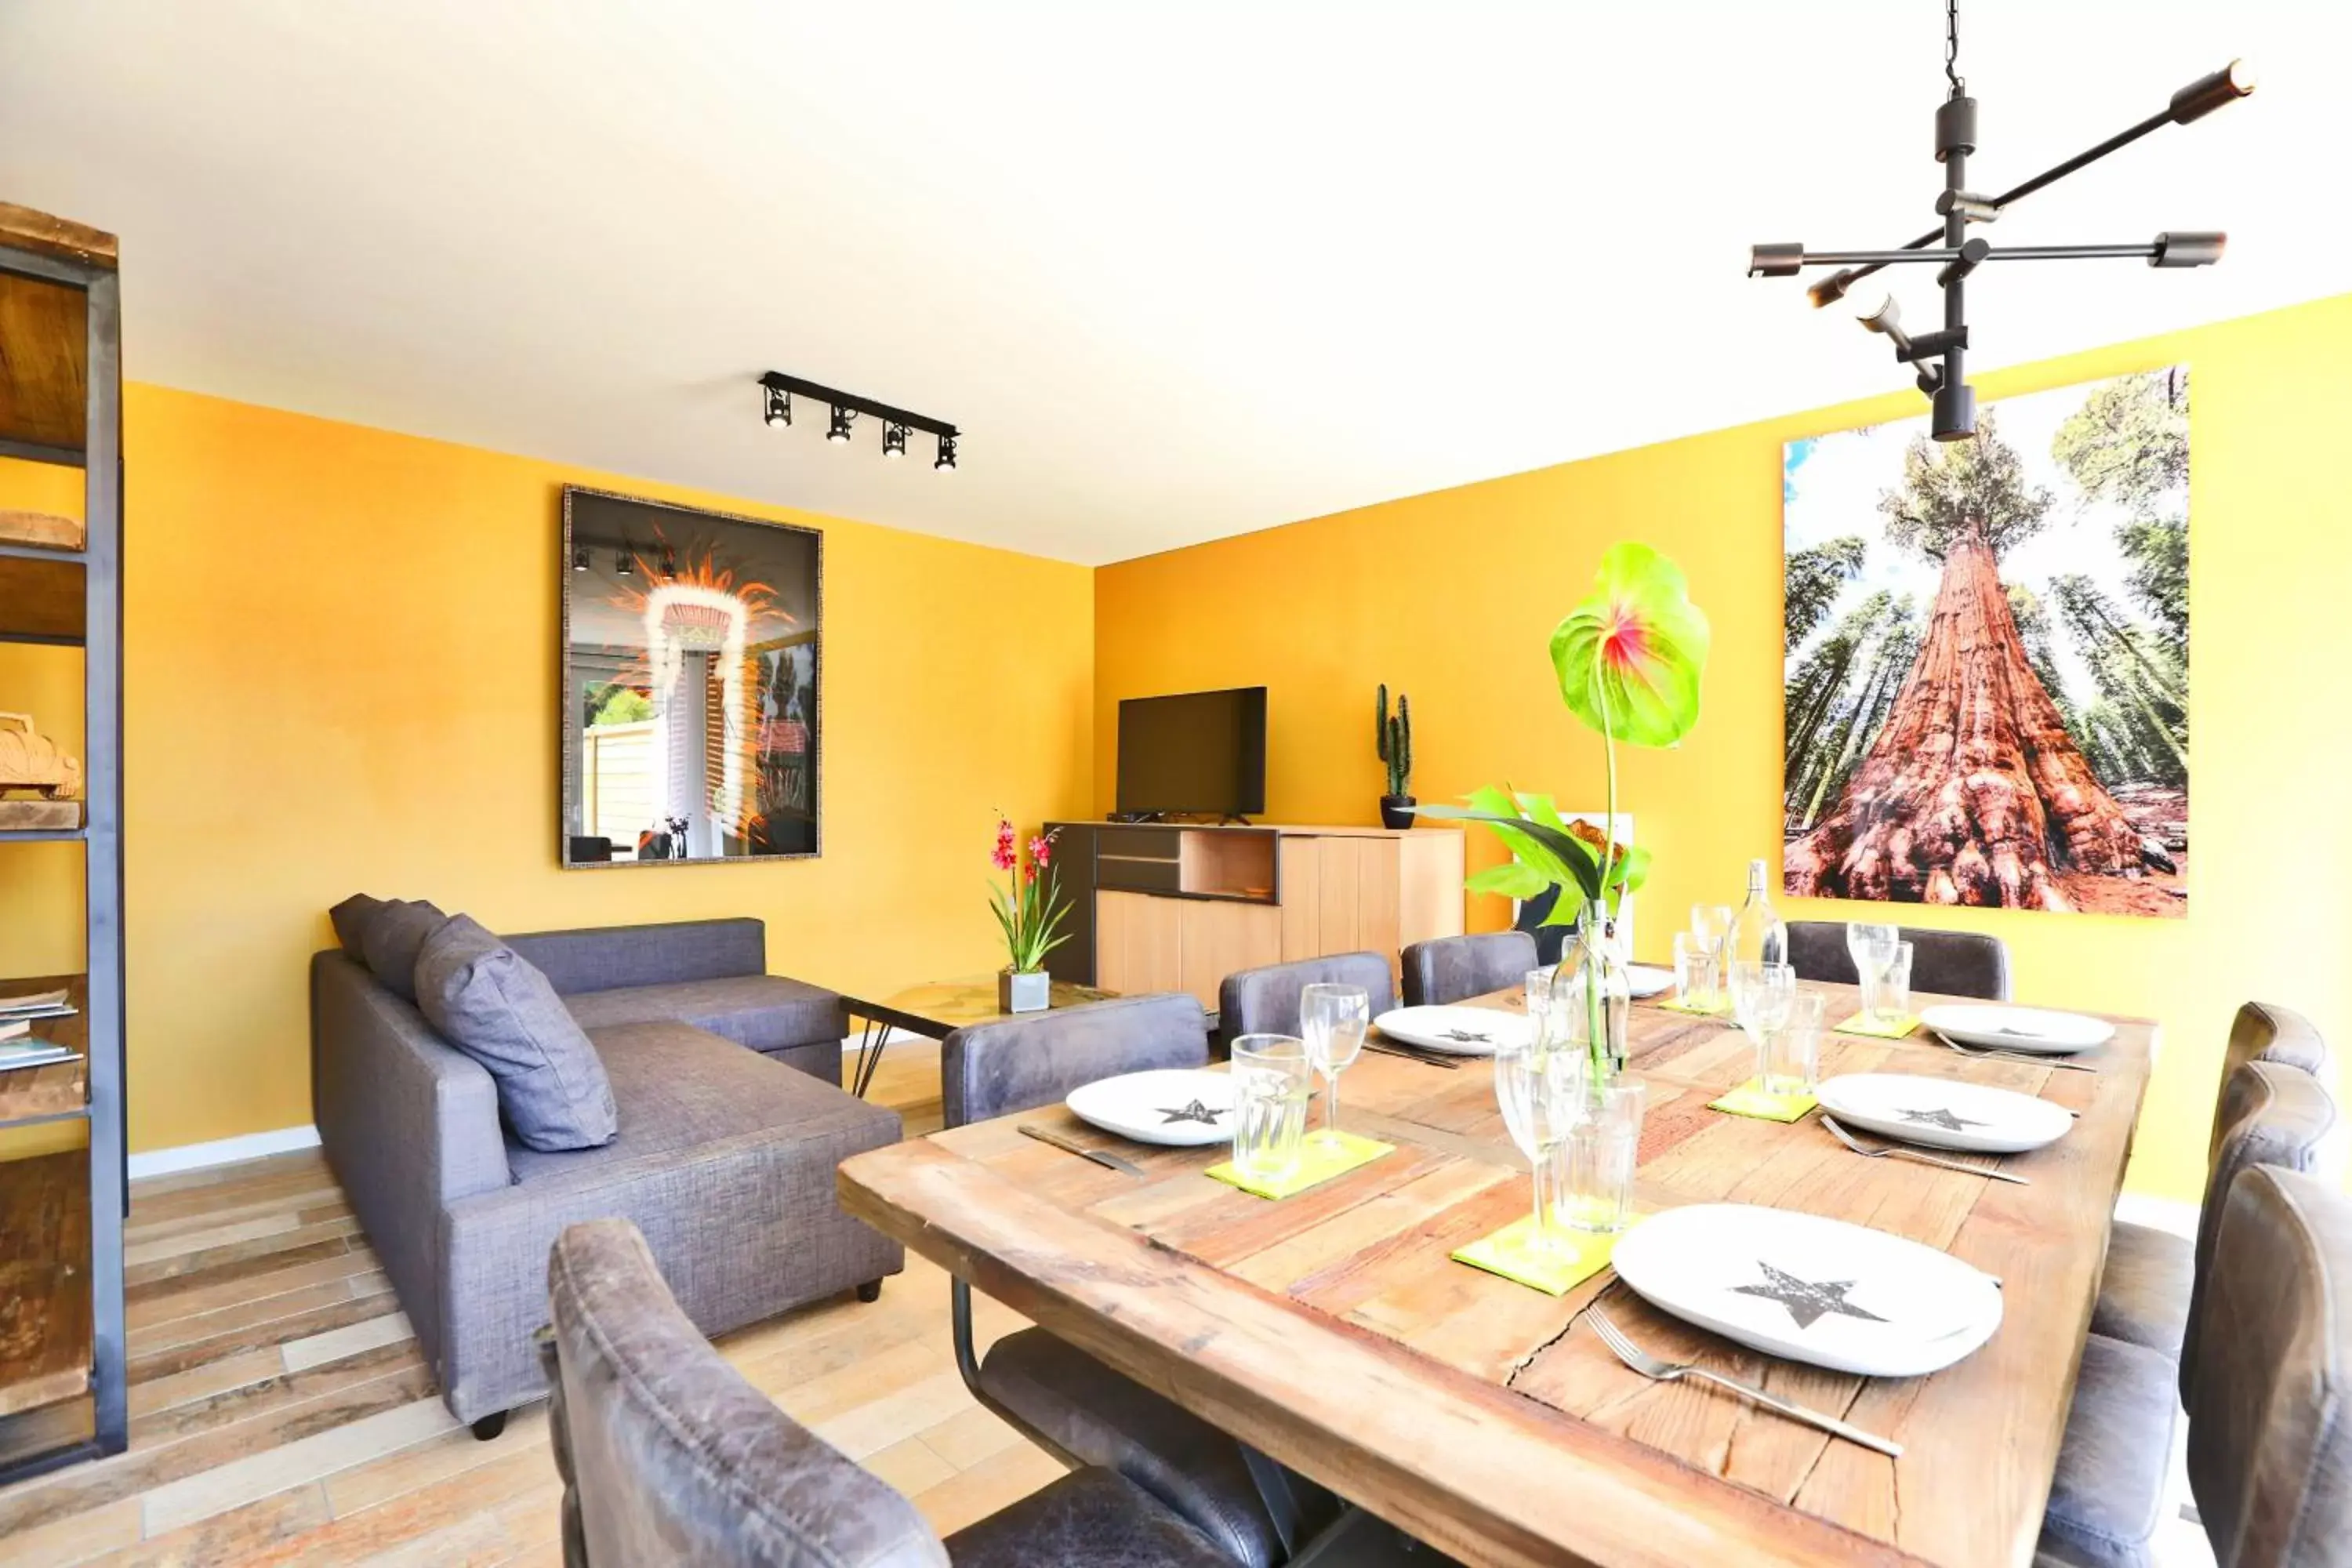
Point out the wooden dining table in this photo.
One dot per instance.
(1332, 1330)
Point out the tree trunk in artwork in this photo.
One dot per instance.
(1973, 793)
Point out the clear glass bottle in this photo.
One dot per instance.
(1756, 935)
(1591, 991)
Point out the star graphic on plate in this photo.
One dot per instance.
(1939, 1117)
(1806, 1301)
(1195, 1111)
(1467, 1036)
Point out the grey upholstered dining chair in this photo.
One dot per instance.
(2117, 1452)
(668, 1456)
(1265, 1001)
(2270, 1447)
(1453, 967)
(1063, 1398)
(1943, 963)
(2146, 1288)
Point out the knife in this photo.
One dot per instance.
(1427, 1059)
(1068, 1146)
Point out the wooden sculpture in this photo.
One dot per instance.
(31, 760)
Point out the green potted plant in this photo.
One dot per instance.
(1393, 737)
(1628, 658)
(1028, 907)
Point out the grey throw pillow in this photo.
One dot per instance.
(394, 936)
(352, 917)
(498, 1010)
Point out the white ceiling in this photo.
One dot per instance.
(1179, 270)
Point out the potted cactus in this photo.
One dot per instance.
(1395, 736)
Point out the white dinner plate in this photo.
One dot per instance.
(1183, 1107)
(1817, 1290)
(1649, 980)
(1944, 1113)
(2028, 1029)
(1462, 1031)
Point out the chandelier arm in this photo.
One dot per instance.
(2048, 177)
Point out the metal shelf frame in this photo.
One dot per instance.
(100, 460)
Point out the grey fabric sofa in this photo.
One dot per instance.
(724, 1159)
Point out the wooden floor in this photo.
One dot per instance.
(280, 1412)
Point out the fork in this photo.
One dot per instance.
(1072, 1146)
(1427, 1059)
(1994, 1053)
(1859, 1147)
(1658, 1370)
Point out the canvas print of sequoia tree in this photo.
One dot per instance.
(1987, 656)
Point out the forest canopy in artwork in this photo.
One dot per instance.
(1987, 656)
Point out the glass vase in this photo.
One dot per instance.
(1592, 996)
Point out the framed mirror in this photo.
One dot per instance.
(691, 663)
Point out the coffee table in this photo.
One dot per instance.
(937, 1008)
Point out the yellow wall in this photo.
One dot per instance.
(341, 675)
(1453, 596)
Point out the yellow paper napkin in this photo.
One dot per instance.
(1751, 1098)
(1322, 1157)
(1861, 1023)
(1720, 1010)
(1507, 1252)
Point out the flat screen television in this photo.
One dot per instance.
(1197, 752)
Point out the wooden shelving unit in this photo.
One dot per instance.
(62, 1392)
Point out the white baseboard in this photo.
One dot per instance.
(2158, 1213)
(223, 1152)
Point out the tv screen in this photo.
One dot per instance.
(1198, 752)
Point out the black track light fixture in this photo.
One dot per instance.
(899, 424)
(1958, 255)
(624, 563)
(580, 558)
(668, 561)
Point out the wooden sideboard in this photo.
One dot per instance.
(1160, 906)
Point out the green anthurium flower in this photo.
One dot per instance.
(1628, 657)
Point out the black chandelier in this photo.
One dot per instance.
(1959, 254)
(777, 391)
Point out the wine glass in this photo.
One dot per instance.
(1332, 1019)
(1761, 997)
(1711, 924)
(1541, 1091)
(1872, 948)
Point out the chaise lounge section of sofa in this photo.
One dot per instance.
(724, 1156)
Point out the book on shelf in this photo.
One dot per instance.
(36, 1004)
(33, 1053)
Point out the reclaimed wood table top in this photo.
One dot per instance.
(1332, 1330)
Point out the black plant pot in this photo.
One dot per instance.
(1396, 811)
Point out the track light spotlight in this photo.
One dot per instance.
(668, 561)
(1885, 316)
(1828, 290)
(2187, 250)
(946, 459)
(894, 439)
(780, 407)
(580, 558)
(839, 430)
(2208, 93)
(625, 564)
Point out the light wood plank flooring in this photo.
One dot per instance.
(281, 1414)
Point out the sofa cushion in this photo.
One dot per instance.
(501, 1012)
(394, 940)
(605, 958)
(765, 1011)
(351, 920)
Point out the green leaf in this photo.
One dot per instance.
(1561, 860)
(1512, 878)
(1629, 658)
